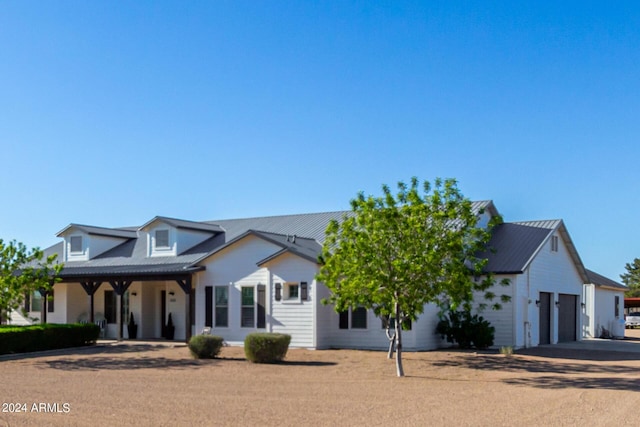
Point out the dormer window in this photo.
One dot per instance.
(162, 239)
(75, 244)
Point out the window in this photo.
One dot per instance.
(33, 302)
(358, 319)
(75, 244)
(554, 243)
(247, 315)
(222, 306)
(617, 306)
(162, 239)
(293, 291)
(406, 325)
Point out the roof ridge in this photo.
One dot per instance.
(275, 216)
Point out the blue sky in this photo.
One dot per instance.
(114, 112)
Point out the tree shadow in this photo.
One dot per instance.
(561, 382)
(115, 363)
(556, 374)
(518, 364)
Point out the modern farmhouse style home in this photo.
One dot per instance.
(258, 274)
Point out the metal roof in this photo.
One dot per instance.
(600, 280)
(100, 231)
(181, 223)
(514, 245)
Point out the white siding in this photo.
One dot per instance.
(604, 315)
(502, 320)
(235, 267)
(293, 317)
(556, 273)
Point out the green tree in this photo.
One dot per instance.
(22, 272)
(632, 279)
(396, 253)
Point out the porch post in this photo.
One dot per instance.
(119, 287)
(90, 288)
(185, 285)
(43, 306)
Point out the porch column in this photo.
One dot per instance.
(119, 287)
(90, 288)
(43, 306)
(185, 285)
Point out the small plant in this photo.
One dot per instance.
(266, 347)
(205, 346)
(169, 329)
(506, 351)
(132, 327)
(466, 330)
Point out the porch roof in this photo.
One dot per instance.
(132, 272)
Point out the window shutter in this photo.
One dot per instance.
(304, 291)
(262, 313)
(344, 320)
(50, 301)
(27, 302)
(208, 306)
(278, 291)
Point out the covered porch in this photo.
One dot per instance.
(152, 294)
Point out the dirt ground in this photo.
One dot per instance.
(150, 384)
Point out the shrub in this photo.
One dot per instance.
(466, 329)
(48, 336)
(205, 346)
(266, 347)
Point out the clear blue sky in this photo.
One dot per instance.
(114, 112)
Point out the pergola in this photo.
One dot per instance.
(121, 277)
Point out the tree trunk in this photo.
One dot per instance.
(392, 341)
(399, 368)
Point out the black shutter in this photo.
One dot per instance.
(208, 306)
(50, 301)
(344, 319)
(262, 313)
(27, 302)
(278, 291)
(304, 291)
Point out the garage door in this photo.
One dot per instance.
(545, 317)
(567, 317)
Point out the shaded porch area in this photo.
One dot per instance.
(161, 302)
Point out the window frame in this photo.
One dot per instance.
(218, 307)
(76, 239)
(246, 307)
(345, 319)
(156, 245)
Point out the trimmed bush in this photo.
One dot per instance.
(466, 329)
(205, 346)
(264, 347)
(25, 339)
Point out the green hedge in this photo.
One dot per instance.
(24, 339)
(205, 346)
(266, 347)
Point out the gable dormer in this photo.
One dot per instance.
(485, 210)
(84, 242)
(172, 237)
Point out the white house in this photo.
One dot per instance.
(258, 274)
